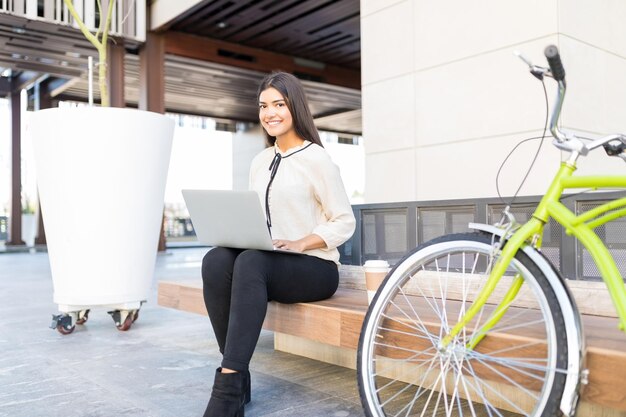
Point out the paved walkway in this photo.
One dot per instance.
(162, 367)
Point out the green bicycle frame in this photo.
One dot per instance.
(580, 226)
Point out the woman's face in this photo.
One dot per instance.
(274, 114)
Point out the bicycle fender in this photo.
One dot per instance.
(576, 349)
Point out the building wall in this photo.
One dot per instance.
(445, 100)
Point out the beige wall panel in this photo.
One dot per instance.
(596, 88)
(468, 169)
(473, 100)
(446, 31)
(483, 96)
(390, 176)
(373, 6)
(389, 118)
(387, 48)
(599, 23)
(246, 145)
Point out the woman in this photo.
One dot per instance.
(307, 212)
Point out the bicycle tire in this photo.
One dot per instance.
(519, 368)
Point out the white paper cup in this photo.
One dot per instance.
(375, 273)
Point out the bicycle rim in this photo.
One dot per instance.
(518, 368)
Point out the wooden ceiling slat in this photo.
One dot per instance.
(208, 13)
(290, 12)
(295, 27)
(299, 27)
(349, 23)
(235, 20)
(253, 15)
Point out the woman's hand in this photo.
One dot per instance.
(294, 245)
(312, 241)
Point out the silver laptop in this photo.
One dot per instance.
(231, 219)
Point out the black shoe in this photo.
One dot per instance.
(228, 396)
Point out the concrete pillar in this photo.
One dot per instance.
(45, 102)
(246, 144)
(15, 227)
(152, 88)
(116, 73)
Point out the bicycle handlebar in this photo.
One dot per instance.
(554, 60)
(558, 73)
(614, 145)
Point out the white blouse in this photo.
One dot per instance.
(306, 196)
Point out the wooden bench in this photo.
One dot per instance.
(329, 331)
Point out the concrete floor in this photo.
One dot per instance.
(162, 367)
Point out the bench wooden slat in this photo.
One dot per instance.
(338, 320)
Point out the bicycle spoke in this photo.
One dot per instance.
(484, 399)
(507, 378)
(408, 385)
(442, 391)
(514, 363)
(421, 323)
(416, 371)
(467, 394)
(431, 393)
(455, 393)
(516, 326)
(511, 348)
(390, 330)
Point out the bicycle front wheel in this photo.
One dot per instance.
(509, 360)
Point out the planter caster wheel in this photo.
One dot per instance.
(83, 316)
(63, 323)
(123, 318)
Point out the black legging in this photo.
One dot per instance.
(237, 284)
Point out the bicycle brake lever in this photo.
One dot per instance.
(523, 58)
(536, 71)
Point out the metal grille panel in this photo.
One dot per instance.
(437, 221)
(384, 234)
(613, 234)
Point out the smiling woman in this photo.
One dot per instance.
(280, 96)
(307, 212)
(274, 114)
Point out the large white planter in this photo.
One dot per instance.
(101, 174)
(29, 229)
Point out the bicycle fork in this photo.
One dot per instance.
(514, 243)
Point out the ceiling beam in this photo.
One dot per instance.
(54, 86)
(23, 79)
(212, 50)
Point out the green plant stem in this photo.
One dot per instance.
(99, 44)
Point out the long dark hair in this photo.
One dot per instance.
(295, 97)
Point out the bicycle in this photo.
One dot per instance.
(482, 323)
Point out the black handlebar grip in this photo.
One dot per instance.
(554, 60)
